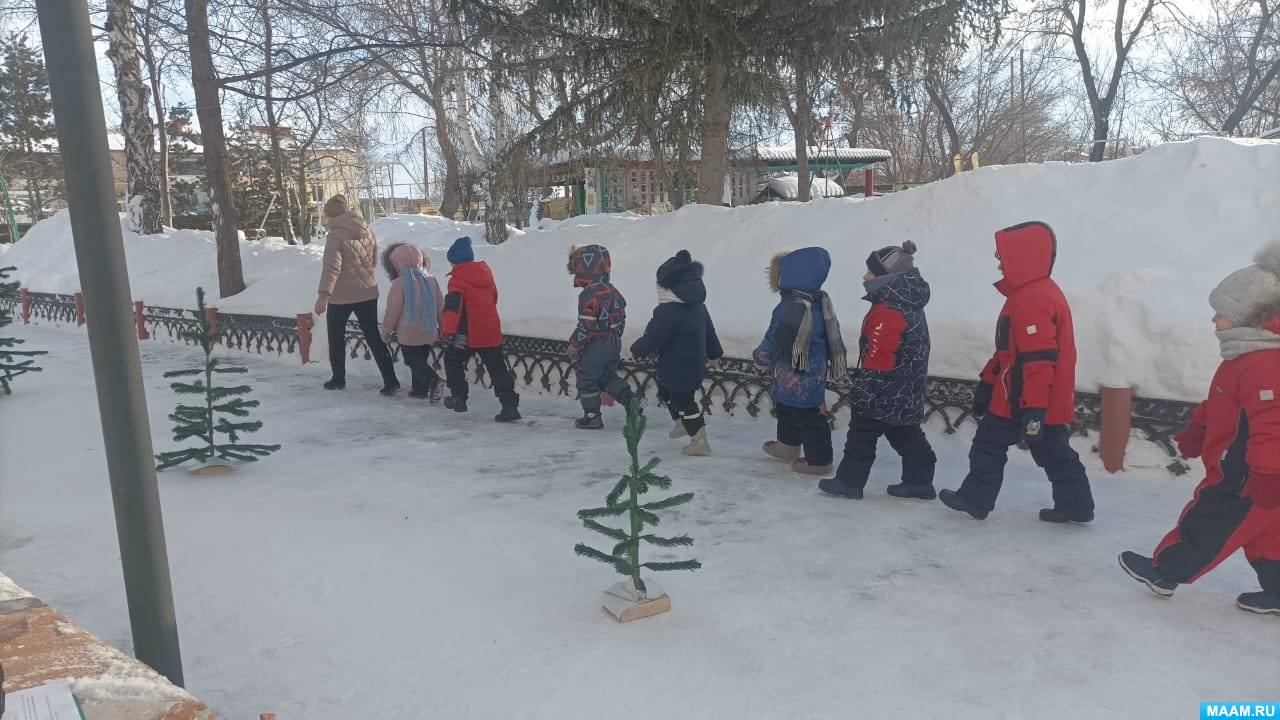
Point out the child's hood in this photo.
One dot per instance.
(589, 264)
(805, 269)
(1027, 253)
(399, 257)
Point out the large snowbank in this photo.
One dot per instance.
(1141, 242)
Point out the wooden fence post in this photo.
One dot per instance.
(305, 323)
(1117, 420)
(26, 306)
(869, 182)
(79, 309)
(138, 310)
(212, 314)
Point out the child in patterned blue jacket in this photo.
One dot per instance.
(596, 344)
(802, 343)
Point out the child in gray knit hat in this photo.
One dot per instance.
(1237, 433)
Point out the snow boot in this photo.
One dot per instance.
(803, 467)
(389, 390)
(589, 421)
(699, 446)
(910, 491)
(779, 450)
(335, 384)
(1054, 515)
(510, 410)
(1143, 569)
(678, 431)
(1262, 603)
(953, 500)
(456, 404)
(840, 488)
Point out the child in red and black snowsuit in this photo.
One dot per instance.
(596, 344)
(471, 326)
(1028, 388)
(890, 382)
(1236, 431)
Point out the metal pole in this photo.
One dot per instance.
(117, 370)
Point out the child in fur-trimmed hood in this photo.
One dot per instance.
(803, 341)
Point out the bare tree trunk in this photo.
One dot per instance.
(273, 127)
(497, 172)
(800, 124)
(304, 200)
(143, 204)
(715, 131)
(204, 80)
(162, 130)
(452, 190)
(932, 86)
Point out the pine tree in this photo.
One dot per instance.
(12, 362)
(198, 421)
(625, 557)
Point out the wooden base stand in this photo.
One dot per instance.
(625, 604)
(218, 469)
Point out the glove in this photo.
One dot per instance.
(981, 400)
(1264, 489)
(1190, 441)
(1033, 424)
(387, 336)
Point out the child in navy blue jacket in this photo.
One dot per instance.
(802, 342)
(596, 344)
(683, 337)
(889, 385)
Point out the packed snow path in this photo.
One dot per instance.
(395, 560)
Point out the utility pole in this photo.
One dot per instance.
(117, 370)
(391, 185)
(426, 169)
(1022, 97)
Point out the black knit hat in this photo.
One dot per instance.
(678, 268)
(892, 259)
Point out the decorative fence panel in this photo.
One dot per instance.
(543, 364)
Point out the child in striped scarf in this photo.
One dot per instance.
(413, 315)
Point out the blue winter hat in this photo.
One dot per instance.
(461, 252)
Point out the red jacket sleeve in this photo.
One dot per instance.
(1260, 399)
(452, 311)
(1035, 338)
(883, 332)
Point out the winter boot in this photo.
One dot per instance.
(952, 499)
(335, 384)
(1143, 569)
(589, 421)
(910, 491)
(389, 390)
(1054, 515)
(456, 404)
(510, 408)
(678, 431)
(779, 450)
(803, 467)
(1262, 603)
(840, 488)
(699, 446)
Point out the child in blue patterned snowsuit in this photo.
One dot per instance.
(596, 344)
(803, 341)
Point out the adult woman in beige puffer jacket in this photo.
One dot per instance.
(349, 286)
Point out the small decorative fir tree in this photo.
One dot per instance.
(202, 422)
(625, 557)
(12, 362)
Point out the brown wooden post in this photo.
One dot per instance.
(305, 323)
(212, 314)
(869, 181)
(26, 306)
(79, 309)
(138, 309)
(1117, 420)
(267, 716)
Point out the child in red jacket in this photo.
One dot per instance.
(1028, 388)
(471, 326)
(1236, 431)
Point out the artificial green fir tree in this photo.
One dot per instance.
(12, 362)
(624, 502)
(202, 422)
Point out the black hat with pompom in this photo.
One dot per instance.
(678, 268)
(892, 260)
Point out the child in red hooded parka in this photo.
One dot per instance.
(472, 325)
(1237, 433)
(1028, 388)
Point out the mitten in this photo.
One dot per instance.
(1191, 440)
(1264, 489)
(981, 400)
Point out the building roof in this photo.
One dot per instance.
(819, 155)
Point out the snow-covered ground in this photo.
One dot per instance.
(1141, 242)
(395, 560)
